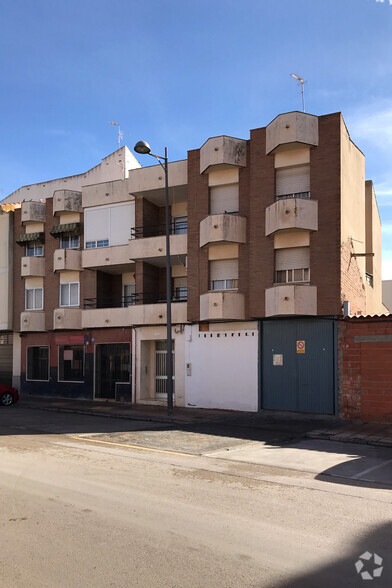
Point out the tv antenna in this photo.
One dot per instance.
(300, 81)
(120, 133)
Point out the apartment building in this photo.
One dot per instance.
(114, 166)
(272, 239)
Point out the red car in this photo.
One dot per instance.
(8, 395)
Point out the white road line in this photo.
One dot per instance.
(372, 469)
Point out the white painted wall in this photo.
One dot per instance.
(115, 166)
(224, 366)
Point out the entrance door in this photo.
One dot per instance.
(160, 369)
(112, 365)
(298, 365)
(6, 359)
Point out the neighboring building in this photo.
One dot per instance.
(272, 238)
(387, 294)
(114, 166)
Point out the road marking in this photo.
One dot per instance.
(133, 446)
(375, 467)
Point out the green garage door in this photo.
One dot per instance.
(298, 366)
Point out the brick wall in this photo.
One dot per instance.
(352, 288)
(261, 248)
(18, 281)
(197, 258)
(365, 369)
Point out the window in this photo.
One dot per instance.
(128, 294)
(108, 225)
(292, 265)
(71, 363)
(180, 225)
(293, 182)
(93, 244)
(34, 249)
(224, 199)
(223, 284)
(224, 274)
(69, 294)
(68, 241)
(34, 299)
(37, 363)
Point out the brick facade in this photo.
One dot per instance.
(365, 369)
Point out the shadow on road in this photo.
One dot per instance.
(350, 569)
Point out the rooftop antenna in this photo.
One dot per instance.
(301, 81)
(120, 134)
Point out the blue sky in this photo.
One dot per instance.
(176, 72)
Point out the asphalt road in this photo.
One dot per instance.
(89, 501)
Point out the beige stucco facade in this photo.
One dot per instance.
(6, 270)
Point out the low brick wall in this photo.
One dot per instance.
(365, 368)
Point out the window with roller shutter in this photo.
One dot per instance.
(224, 198)
(292, 265)
(224, 274)
(293, 182)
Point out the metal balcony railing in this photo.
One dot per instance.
(175, 227)
(179, 295)
(294, 195)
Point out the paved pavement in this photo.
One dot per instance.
(311, 426)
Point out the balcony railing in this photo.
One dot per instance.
(179, 295)
(175, 227)
(295, 195)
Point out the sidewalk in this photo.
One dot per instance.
(298, 424)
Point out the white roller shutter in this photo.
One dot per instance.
(224, 199)
(224, 269)
(121, 221)
(292, 258)
(292, 180)
(96, 224)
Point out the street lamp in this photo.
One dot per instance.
(144, 148)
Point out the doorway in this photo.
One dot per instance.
(112, 367)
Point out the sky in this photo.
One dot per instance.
(176, 72)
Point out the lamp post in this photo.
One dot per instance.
(144, 148)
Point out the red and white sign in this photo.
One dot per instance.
(300, 346)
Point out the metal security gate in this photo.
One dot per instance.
(160, 370)
(298, 365)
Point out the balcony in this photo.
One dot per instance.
(291, 299)
(32, 267)
(66, 201)
(67, 318)
(33, 212)
(291, 213)
(292, 128)
(221, 306)
(220, 152)
(105, 257)
(223, 228)
(146, 247)
(179, 295)
(67, 259)
(137, 310)
(32, 321)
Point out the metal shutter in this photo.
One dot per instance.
(292, 180)
(224, 269)
(180, 282)
(292, 258)
(224, 199)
